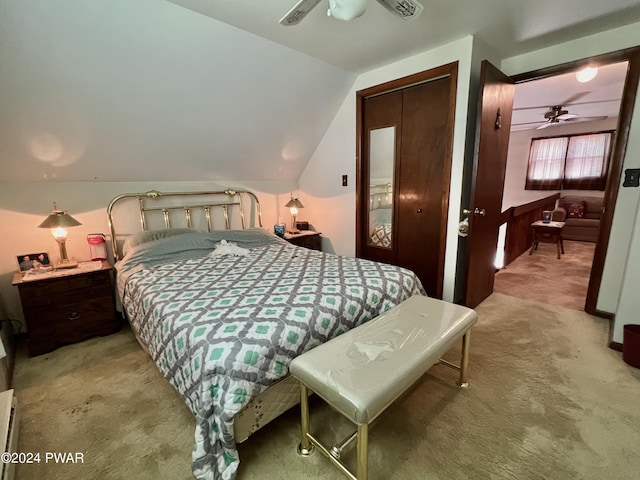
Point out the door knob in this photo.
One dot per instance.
(419, 210)
(476, 211)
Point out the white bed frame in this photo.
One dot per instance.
(205, 211)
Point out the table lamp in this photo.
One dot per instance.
(293, 205)
(58, 221)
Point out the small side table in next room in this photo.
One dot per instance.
(547, 233)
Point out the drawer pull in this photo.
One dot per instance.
(74, 316)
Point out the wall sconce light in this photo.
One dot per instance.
(293, 205)
(58, 221)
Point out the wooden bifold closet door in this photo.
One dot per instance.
(405, 143)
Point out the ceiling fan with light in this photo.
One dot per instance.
(349, 9)
(558, 114)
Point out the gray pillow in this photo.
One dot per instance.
(150, 235)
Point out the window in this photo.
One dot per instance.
(576, 162)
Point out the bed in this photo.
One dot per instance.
(222, 312)
(380, 213)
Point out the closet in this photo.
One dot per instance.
(405, 136)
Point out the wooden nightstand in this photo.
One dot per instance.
(306, 238)
(68, 308)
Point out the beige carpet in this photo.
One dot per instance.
(542, 277)
(548, 400)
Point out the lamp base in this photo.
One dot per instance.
(67, 264)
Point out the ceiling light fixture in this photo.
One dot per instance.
(346, 9)
(587, 74)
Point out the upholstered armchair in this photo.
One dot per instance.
(559, 214)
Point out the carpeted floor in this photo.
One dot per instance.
(542, 277)
(548, 400)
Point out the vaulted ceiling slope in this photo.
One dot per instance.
(148, 90)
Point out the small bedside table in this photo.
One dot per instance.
(67, 307)
(306, 238)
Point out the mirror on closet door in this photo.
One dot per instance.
(382, 143)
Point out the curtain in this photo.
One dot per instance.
(577, 162)
(587, 162)
(546, 163)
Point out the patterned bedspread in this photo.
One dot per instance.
(223, 328)
(381, 236)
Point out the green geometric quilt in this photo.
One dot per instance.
(222, 329)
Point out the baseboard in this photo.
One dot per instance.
(615, 346)
(611, 316)
(603, 314)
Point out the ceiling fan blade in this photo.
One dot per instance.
(567, 103)
(575, 97)
(566, 116)
(544, 125)
(525, 123)
(298, 12)
(585, 119)
(405, 9)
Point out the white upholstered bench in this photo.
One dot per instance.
(363, 371)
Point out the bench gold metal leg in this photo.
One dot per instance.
(463, 380)
(338, 448)
(362, 448)
(305, 447)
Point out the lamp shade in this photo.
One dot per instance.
(59, 219)
(294, 203)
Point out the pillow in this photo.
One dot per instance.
(575, 209)
(150, 235)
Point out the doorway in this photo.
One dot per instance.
(632, 55)
(555, 107)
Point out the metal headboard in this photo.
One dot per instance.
(146, 200)
(380, 195)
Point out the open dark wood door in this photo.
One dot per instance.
(492, 143)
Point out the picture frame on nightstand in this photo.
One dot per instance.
(27, 261)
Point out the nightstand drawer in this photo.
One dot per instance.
(52, 302)
(89, 293)
(82, 319)
(42, 321)
(101, 279)
(37, 294)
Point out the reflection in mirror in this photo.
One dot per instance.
(382, 143)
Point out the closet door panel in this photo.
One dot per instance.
(424, 175)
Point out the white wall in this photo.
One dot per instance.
(144, 90)
(331, 206)
(621, 265)
(23, 206)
